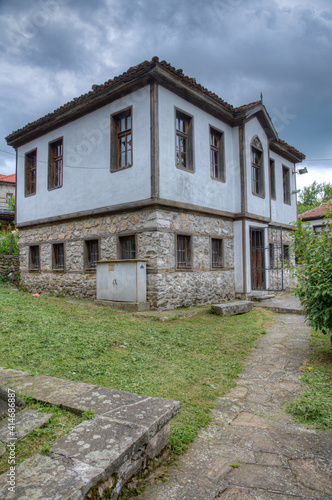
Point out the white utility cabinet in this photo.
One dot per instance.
(122, 280)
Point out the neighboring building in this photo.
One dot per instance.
(315, 217)
(152, 165)
(7, 192)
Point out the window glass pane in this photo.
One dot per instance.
(129, 122)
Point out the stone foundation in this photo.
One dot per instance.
(9, 263)
(156, 231)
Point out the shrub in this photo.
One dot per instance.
(5, 238)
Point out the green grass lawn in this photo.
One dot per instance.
(193, 360)
(314, 405)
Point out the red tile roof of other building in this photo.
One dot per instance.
(10, 179)
(317, 212)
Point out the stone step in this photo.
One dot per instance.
(99, 455)
(25, 422)
(232, 308)
(259, 296)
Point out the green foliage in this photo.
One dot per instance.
(314, 195)
(11, 204)
(5, 237)
(313, 253)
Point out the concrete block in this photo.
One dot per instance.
(232, 308)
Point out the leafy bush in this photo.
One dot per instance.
(5, 237)
(313, 271)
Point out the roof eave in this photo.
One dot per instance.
(280, 149)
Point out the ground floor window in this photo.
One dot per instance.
(127, 247)
(217, 253)
(183, 251)
(34, 259)
(91, 253)
(58, 256)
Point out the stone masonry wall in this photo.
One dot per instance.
(156, 232)
(9, 263)
(276, 273)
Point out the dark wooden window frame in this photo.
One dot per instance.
(56, 266)
(116, 136)
(219, 242)
(187, 136)
(29, 172)
(286, 185)
(54, 161)
(272, 179)
(120, 251)
(87, 257)
(33, 266)
(219, 150)
(188, 260)
(257, 168)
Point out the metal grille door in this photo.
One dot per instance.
(257, 259)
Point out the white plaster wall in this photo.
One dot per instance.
(281, 212)
(256, 204)
(87, 181)
(238, 257)
(197, 188)
(4, 189)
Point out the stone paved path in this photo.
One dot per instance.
(272, 458)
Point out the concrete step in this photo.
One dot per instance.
(232, 308)
(99, 455)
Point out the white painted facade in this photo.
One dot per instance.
(89, 186)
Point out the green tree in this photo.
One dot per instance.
(314, 195)
(314, 273)
(11, 204)
(9, 239)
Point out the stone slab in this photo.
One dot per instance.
(151, 412)
(25, 422)
(7, 374)
(314, 473)
(3, 408)
(102, 442)
(46, 478)
(245, 419)
(232, 308)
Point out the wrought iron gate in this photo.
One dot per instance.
(262, 267)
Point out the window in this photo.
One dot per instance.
(58, 257)
(121, 147)
(55, 164)
(257, 167)
(271, 251)
(217, 154)
(30, 172)
(285, 253)
(272, 180)
(127, 247)
(34, 261)
(183, 252)
(286, 185)
(183, 141)
(9, 197)
(91, 253)
(217, 253)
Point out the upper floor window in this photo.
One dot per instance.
(127, 247)
(257, 167)
(30, 172)
(121, 147)
(91, 254)
(9, 197)
(184, 141)
(183, 251)
(58, 257)
(272, 180)
(217, 154)
(286, 185)
(55, 164)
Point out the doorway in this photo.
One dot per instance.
(257, 259)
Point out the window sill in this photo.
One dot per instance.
(258, 195)
(54, 188)
(217, 179)
(114, 170)
(189, 170)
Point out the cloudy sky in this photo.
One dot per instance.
(54, 50)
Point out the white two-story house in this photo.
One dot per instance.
(151, 165)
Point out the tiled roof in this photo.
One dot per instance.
(291, 149)
(316, 213)
(8, 178)
(132, 73)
